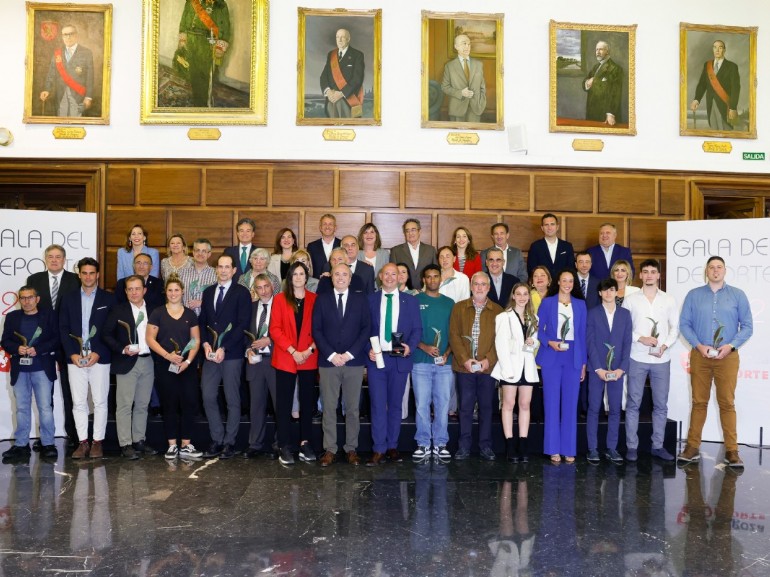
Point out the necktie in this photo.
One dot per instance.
(583, 286)
(244, 258)
(54, 291)
(389, 318)
(221, 297)
(262, 319)
(716, 67)
(339, 56)
(466, 69)
(340, 310)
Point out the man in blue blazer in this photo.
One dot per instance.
(500, 283)
(360, 268)
(608, 340)
(326, 282)
(82, 315)
(550, 251)
(33, 369)
(341, 327)
(588, 283)
(320, 250)
(155, 295)
(226, 310)
(241, 252)
(392, 312)
(604, 254)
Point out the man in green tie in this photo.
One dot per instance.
(241, 252)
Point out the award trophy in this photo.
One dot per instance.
(439, 360)
(255, 356)
(610, 376)
(216, 340)
(172, 368)
(564, 346)
(656, 350)
(26, 360)
(133, 343)
(530, 328)
(85, 346)
(714, 350)
(475, 365)
(397, 344)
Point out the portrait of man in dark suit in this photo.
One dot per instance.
(604, 87)
(342, 79)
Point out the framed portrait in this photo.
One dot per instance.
(338, 67)
(718, 75)
(68, 64)
(592, 78)
(462, 71)
(204, 62)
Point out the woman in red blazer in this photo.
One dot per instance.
(467, 258)
(295, 359)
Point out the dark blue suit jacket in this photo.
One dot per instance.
(540, 255)
(235, 252)
(356, 285)
(45, 345)
(366, 272)
(70, 323)
(506, 288)
(235, 309)
(116, 337)
(409, 323)
(318, 256)
(598, 332)
(599, 264)
(349, 334)
(547, 330)
(592, 291)
(153, 298)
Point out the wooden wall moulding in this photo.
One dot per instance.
(673, 195)
(374, 188)
(500, 191)
(215, 225)
(583, 231)
(525, 229)
(303, 187)
(347, 223)
(389, 225)
(564, 193)
(269, 222)
(647, 235)
(477, 224)
(229, 186)
(121, 186)
(435, 190)
(626, 195)
(168, 185)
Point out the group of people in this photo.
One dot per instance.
(453, 323)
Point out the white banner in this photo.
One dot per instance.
(24, 236)
(745, 246)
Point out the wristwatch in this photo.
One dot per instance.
(732, 348)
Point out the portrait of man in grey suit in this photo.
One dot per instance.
(464, 84)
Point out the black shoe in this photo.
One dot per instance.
(144, 449)
(318, 417)
(17, 452)
(129, 453)
(523, 450)
(511, 452)
(286, 457)
(49, 452)
(306, 453)
(37, 446)
(214, 451)
(227, 452)
(251, 453)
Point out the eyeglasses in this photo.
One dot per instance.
(69, 33)
(29, 298)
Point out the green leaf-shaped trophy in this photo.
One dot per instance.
(564, 346)
(654, 333)
(439, 360)
(718, 340)
(475, 365)
(610, 376)
(26, 360)
(530, 328)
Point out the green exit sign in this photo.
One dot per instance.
(753, 156)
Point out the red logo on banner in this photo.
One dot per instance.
(49, 30)
(684, 360)
(5, 361)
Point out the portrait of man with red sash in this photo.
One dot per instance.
(720, 82)
(69, 86)
(342, 79)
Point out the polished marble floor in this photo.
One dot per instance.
(258, 518)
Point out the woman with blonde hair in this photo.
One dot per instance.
(177, 259)
(621, 272)
(540, 280)
(303, 256)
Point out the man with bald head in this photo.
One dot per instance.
(604, 254)
(342, 79)
(720, 84)
(464, 84)
(604, 87)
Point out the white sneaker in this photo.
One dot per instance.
(190, 452)
(172, 452)
(421, 452)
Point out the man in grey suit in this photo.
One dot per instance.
(70, 80)
(514, 260)
(414, 254)
(464, 84)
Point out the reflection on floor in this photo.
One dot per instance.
(247, 517)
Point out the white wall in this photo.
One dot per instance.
(400, 138)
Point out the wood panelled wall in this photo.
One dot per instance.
(206, 199)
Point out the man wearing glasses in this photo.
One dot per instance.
(70, 79)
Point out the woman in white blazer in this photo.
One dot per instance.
(516, 370)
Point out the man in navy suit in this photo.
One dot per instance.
(155, 295)
(341, 326)
(326, 282)
(321, 249)
(608, 342)
(82, 315)
(359, 268)
(342, 79)
(392, 312)
(513, 260)
(56, 280)
(550, 251)
(604, 254)
(501, 283)
(588, 282)
(225, 309)
(33, 369)
(241, 252)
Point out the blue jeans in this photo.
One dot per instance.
(660, 377)
(43, 388)
(432, 383)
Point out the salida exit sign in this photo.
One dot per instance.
(753, 156)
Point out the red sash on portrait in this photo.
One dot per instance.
(715, 83)
(205, 17)
(339, 79)
(65, 76)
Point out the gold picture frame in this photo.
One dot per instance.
(443, 80)
(575, 104)
(357, 77)
(732, 88)
(184, 83)
(63, 87)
